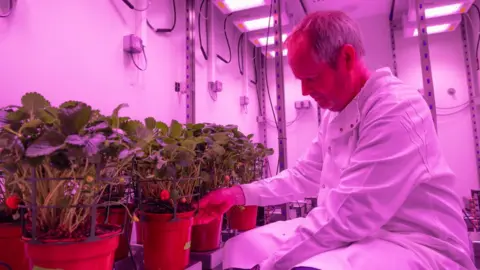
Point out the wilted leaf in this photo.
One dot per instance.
(115, 115)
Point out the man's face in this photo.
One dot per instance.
(330, 87)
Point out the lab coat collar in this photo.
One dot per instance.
(349, 118)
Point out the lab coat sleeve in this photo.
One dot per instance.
(385, 167)
(296, 183)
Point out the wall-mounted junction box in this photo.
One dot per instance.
(244, 100)
(303, 104)
(132, 44)
(216, 86)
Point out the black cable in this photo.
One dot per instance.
(10, 10)
(228, 42)
(265, 67)
(392, 11)
(478, 36)
(165, 30)
(131, 6)
(254, 66)
(204, 52)
(144, 57)
(240, 53)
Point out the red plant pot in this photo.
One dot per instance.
(117, 216)
(98, 255)
(12, 251)
(242, 218)
(207, 237)
(139, 232)
(166, 242)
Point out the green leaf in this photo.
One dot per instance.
(32, 102)
(162, 127)
(220, 138)
(3, 118)
(150, 123)
(189, 144)
(219, 150)
(48, 115)
(74, 116)
(98, 126)
(76, 140)
(34, 123)
(169, 141)
(18, 115)
(48, 143)
(94, 144)
(175, 129)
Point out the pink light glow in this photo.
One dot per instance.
(434, 29)
(271, 39)
(272, 53)
(237, 5)
(443, 10)
(257, 24)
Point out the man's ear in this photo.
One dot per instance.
(347, 57)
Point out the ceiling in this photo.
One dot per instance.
(357, 8)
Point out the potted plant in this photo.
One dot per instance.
(217, 164)
(249, 166)
(167, 171)
(11, 246)
(118, 214)
(62, 159)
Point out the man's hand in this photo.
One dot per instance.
(217, 202)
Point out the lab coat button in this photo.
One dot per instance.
(341, 129)
(330, 149)
(323, 186)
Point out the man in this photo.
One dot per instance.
(385, 192)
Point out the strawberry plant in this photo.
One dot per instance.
(59, 160)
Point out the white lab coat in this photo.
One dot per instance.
(385, 193)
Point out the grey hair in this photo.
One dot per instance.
(329, 31)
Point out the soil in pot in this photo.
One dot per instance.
(242, 218)
(56, 251)
(166, 241)
(118, 216)
(12, 251)
(207, 237)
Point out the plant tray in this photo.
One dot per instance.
(210, 259)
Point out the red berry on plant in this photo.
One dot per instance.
(183, 200)
(164, 195)
(13, 201)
